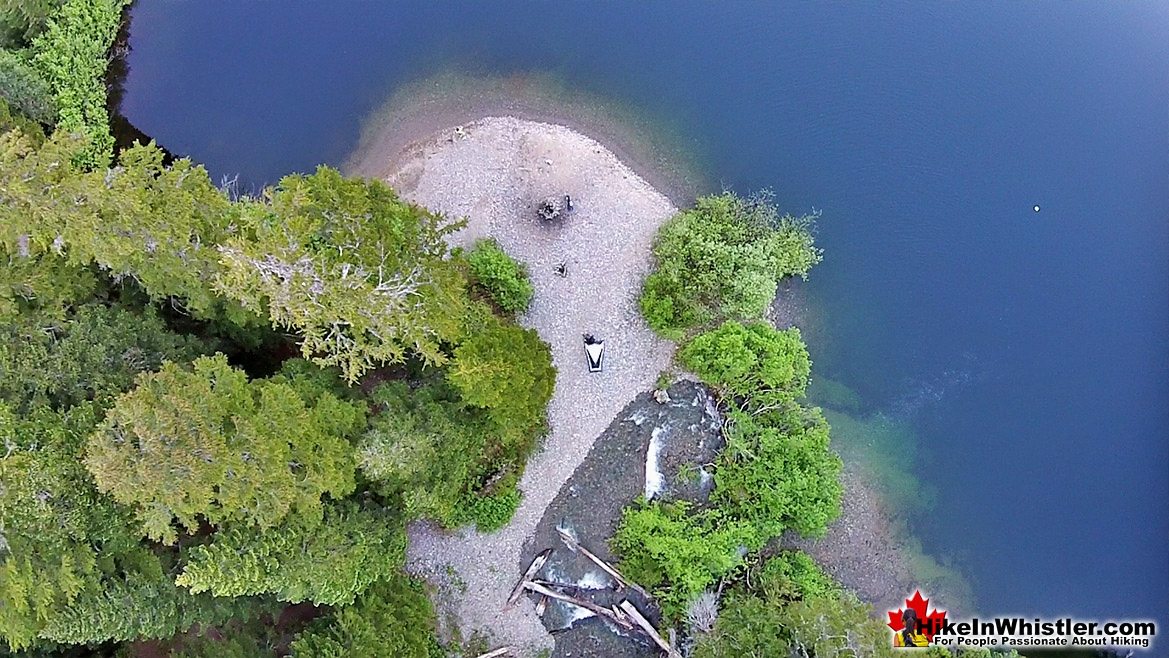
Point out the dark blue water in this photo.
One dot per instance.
(1030, 351)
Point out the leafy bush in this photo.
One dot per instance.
(394, 617)
(72, 56)
(777, 472)
(794, 609)
(45, 285)
(722, 260)
(792, 575)
(490, 512)
(22, 87)
(504, 279)
(755, 362)
(507, 370)
(675, 553)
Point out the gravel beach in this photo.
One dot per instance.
(494, 172)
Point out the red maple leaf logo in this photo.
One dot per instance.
(928, 623)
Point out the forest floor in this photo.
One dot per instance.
(494, 172)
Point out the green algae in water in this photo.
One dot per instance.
(886, 448)
(833, 394)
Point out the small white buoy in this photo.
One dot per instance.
(1036, 207)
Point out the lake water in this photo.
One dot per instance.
(1025, 354)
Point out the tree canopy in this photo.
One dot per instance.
(208, 444)
(393, 618)
(506, 370)
(327, 561)
(93, 353)
(361, 275)
(150, 492)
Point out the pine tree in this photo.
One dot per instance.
(393, 618)
(327, 562)
(209, 444)
(56, 532)
(360, 274)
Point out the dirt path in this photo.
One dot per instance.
(494, 172)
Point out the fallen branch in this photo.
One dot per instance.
(580, 603)
(498, 653)
(557, 585)
(574, 546)
(536, 565)
(652, 632)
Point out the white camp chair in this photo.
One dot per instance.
(594, 352)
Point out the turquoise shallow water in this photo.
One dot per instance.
(1028, 352)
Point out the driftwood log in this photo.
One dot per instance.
(535, 566)
(621, 581)
(580, 603)
(649, 629)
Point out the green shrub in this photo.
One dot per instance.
(25, 91)
(504, 279)
(756, 361)
(794, 609)
(491, 512)
(777, 472)
(72, 57)
(506, 370)
(675, 553)
(722, 259)
(792, 575)
(768, 479)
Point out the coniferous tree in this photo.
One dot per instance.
(94, 353)
(208, 444)
(392, 618)
(361, 275)
(327, 562)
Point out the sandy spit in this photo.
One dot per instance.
(494, 172)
